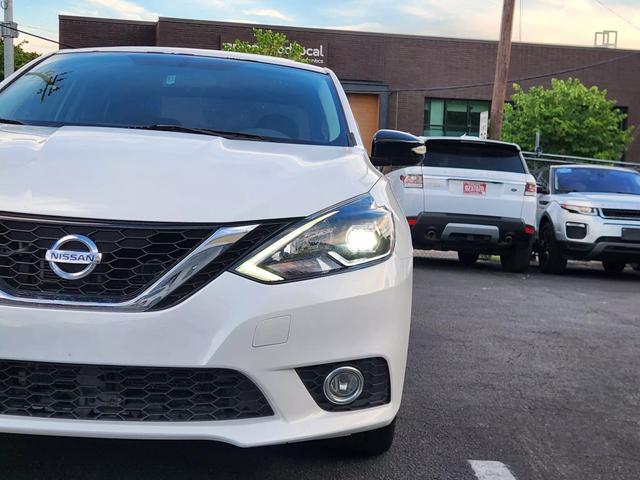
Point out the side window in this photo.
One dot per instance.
(543, 177)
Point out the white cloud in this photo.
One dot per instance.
(362, 27)
(240, 20)
(126, 9)
(267, 12)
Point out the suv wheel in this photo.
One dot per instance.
(613, 266)
(468, 258)
(550, 256)
(516, 261)
(367, 444)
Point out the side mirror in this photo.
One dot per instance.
(391, 147)
(543, 188)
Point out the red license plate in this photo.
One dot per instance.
(474, 188)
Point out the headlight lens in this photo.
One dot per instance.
(347, 236)
(584, 210)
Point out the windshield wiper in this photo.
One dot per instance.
(11, 121)
(201, 131)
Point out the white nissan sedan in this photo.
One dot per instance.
(195, 245)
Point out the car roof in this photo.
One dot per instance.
(470, 139)
(600, 167)
(201, 52)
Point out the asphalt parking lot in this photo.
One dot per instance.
(538, 372)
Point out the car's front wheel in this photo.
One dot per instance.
(613, 266)
(468, 258)
(550, 257)
(367, 444)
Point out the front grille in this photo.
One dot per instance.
(134, 256)
(158, 394)
(620, 213)
(376, 390)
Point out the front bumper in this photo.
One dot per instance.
(603, 249)
(602, 238)
(360, 314)
(446, 231)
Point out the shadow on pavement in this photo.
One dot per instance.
(42, 457)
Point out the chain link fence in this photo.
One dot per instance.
(536, 161)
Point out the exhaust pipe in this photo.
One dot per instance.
(508, 239)
(431, 235)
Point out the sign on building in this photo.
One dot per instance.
(314, 52)
(484, 125)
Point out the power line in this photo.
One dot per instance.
(522, 79)
(38, 36)
(621, 17)
(38, 28)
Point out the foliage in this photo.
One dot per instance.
(572, 119)
(20, 56)
(268, 42)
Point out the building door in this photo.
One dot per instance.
(366, 108)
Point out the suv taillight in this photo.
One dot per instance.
(531, 189)
(411, 181)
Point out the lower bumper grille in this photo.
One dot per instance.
(159, 394)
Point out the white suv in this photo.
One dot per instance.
(588, 212)
(472, 196)
(194, 245)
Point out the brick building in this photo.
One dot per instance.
(396, 81)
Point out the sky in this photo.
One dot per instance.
(572, 22)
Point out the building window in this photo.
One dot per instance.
(453, 118)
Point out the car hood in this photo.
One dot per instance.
(603, 200)
(123, 174)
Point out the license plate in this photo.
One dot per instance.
(631, 234)
(474, 188)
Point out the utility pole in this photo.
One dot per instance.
(9, 32)
(502, 70)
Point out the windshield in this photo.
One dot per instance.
(596, 180)
(118, 89)
(474, 156)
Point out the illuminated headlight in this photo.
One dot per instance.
(582, 209)
(350, 235)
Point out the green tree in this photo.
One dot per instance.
(20, 56)
(572, 120)
(268, 42)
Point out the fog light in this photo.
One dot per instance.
(343, 385)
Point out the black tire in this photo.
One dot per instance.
(367, 444)
(468, 258)
(550, 257)
(516, 261)
(613, 266)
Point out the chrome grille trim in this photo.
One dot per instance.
(206, 252)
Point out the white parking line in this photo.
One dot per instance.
(488, 470)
